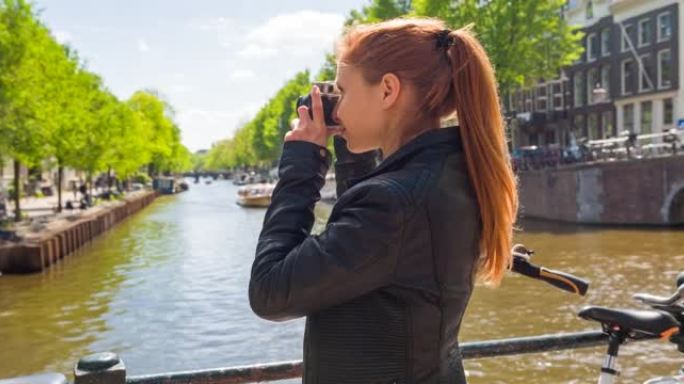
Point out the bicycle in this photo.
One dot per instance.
(664, 320)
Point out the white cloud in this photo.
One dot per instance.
(63, 37)
(229, 32)
(298, 33)
(143, 46)
(216, 24)
(243, 74)
(257, 52)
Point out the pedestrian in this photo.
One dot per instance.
(384, 286)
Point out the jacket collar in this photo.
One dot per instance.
(448, 138)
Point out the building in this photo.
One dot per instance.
(627, 79)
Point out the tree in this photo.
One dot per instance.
(259, 141)
(526, 40)
(62, 111)
(158, 128)
(379, 10)
(22, 43)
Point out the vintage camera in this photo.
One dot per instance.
(329, 98)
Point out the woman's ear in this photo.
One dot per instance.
(390, 87)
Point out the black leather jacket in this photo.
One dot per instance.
(385, 285)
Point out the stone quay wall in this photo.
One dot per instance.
(634, 192)
(37, 251)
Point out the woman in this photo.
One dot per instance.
(385, 285)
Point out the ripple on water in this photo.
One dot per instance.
(167, 290)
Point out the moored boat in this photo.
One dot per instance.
(255, 195)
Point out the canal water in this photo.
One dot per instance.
(167, 290)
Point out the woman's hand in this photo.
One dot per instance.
(314, 131)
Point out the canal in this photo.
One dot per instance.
(167, 290)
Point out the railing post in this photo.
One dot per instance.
(100, 368)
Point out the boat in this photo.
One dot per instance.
(243, 179)
(168, 185)
(255, 195)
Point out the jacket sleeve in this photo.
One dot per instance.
(351, 165)
(295, 273)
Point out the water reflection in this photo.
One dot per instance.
(167, 290)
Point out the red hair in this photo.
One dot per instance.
(456, 78)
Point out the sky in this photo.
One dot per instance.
(216, 61)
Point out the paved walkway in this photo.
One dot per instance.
(42, 206)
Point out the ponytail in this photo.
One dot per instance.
(451, 72)
(482, 131)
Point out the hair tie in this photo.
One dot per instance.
(444, 39)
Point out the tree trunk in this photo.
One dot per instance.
(17, 190)
(109, 180)
(2, 182)
(89, 181)
(60, 178)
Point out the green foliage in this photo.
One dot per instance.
(259, 141)
(52, 107)
(525, 39)
(328, 71)
(379, 10)
(141, 178)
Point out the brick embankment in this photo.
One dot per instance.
(59, 238)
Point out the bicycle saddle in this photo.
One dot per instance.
(650, 323)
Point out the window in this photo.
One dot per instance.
(550, 137)
(664, 26)
(644, 32)
(534, 139)
(592, 47)
(605, 80)
(579, 89)
(578, 123)
(592, 126)
(605, 42)
(541, 98)
(541, 105)
(607, 124)
(664, 68)
(646, 117)
(668, 112)
(590, 10)
(626, 37)
(557, 92)
(628, 76)
(628, 117)
(541, 91)
(592, 82)
(646, 76)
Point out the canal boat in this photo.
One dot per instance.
(255, 195)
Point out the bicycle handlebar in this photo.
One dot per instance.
(660, 300)
(562, 280)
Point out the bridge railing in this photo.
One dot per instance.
(108, 368)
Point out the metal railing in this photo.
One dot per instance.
(108, 368)
(624, 147)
